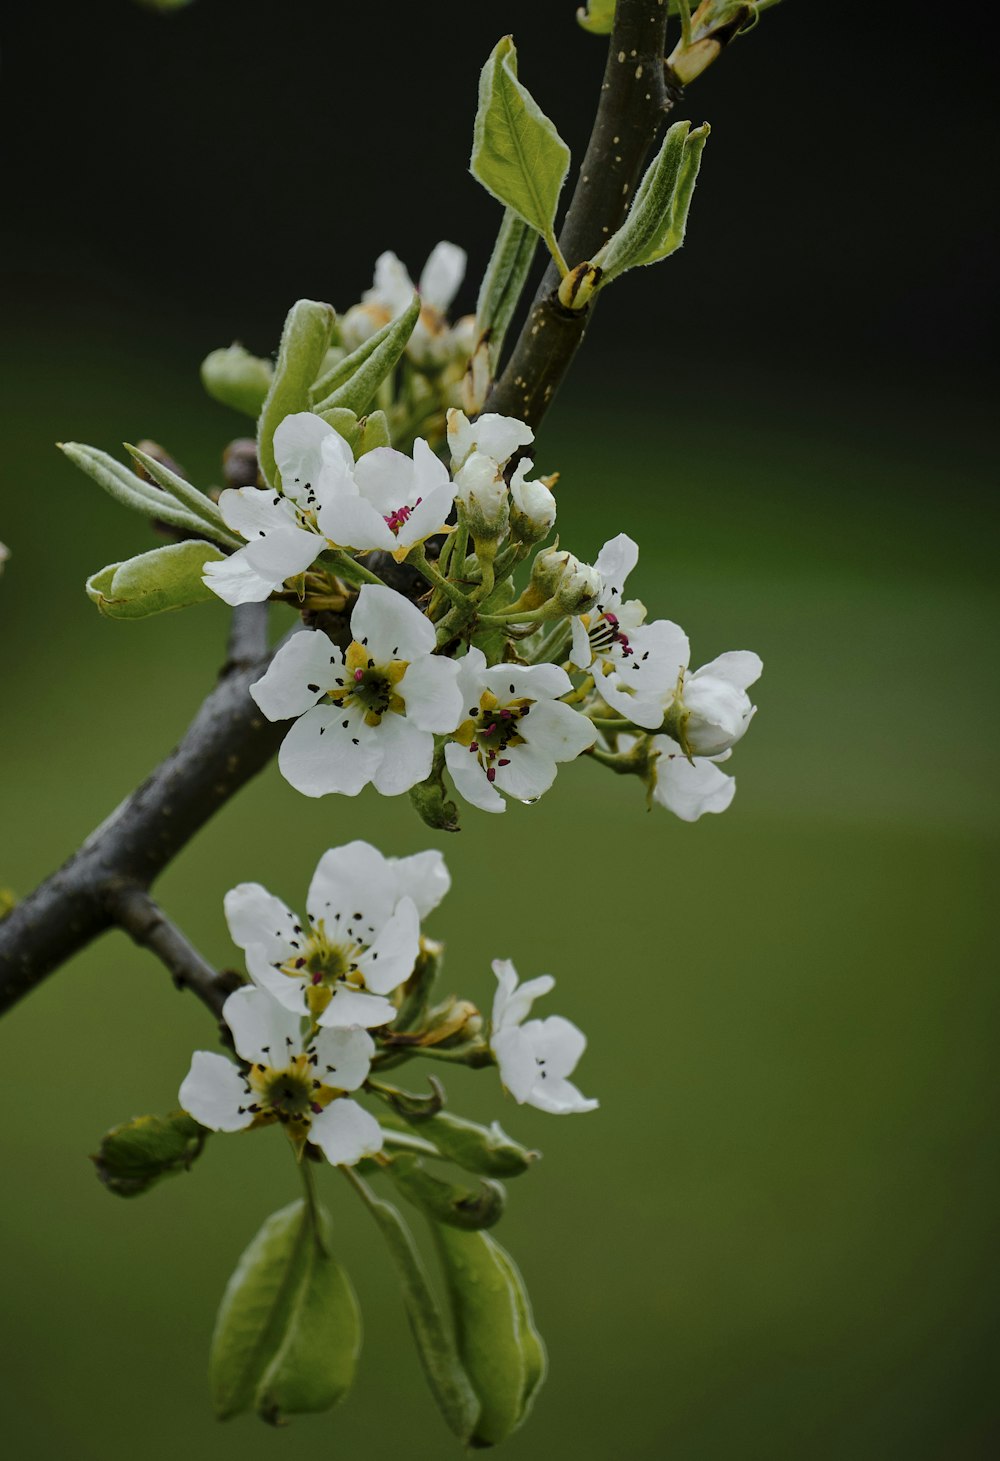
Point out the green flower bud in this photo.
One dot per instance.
(445, 1202)
(136, 1155)
(237, 379)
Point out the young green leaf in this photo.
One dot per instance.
(448, 1381)
(499, 1345)
(288, 1332)
(597, 16)
(154, 582)
(517, 154)
(131, 491)
(304, 341)
(237, 379)
(186, 495)
(487, 1151)
(657, 220)
(352, 383)
(133, 1157)
(506, 275)
(443, 1201)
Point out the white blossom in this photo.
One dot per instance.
(515, 732)
(432, 342)
(533, 507)
(358, 943)
(281, 525)
(367, 715)
(635, 665)
(709, 710)
(498, 437)
(535, 1057)
(301, 1083)
(481, 488)
(688, 788)
(394, 502)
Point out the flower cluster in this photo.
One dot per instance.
(325, 993)
(464, 673)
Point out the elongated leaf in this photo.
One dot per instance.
(288, 1333)
(304, 342)
(444, 1201)
(503, 283)
(448, 1382)
(154, 582)
(517, 154)
(237, 379)
(131, 491)
(187, 495)
(354, 381)
(486, 1150)
(657, 219)
(499, 1345)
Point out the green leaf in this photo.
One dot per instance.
(154, 582)
(237, 379)
(488, 1151)
(448, 1381)
(353, 382)
(499, 1345)
(374, 433)
(503, 283)
(288, 1332)
(657, 220)
(304, 342)
(131, 491)
(517, 154)
(187, 495)
(443, 1201)
(133, 1157)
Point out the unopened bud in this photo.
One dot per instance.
(237, 379)
(579, 286)
(137, 1154)
(482, 491)
(713, 26)
(533, 508)
(579, 589)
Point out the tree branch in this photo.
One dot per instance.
(635, 96)
(139, 915)
(227, 743)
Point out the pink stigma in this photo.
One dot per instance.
(398, 517)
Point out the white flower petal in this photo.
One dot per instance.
(740, 667)
(236, 581)
(431, 693)
(251, 511)
(256, 916)
(615, 562)
(516, 1060)
(284, 553)
(470, 779)
(299, 674)
(557, 730)
(512, 1002)
(353, 887)
(351, 522)
(689, 791)
(406, 754)
(558, 1042)
(393, 953)
(392, 287)
(320, 754)
(429, 517)
(390, 625)
(529, 682)
(263, 1030)
(345, 1132)
(560, 1097)
(299, 451)
(581, 653)
(213, 1091)
(288, 991)
(424, 877)
(442, 275)
(528, 774)
(343, 1057)
(352, 1007)
(429, 471)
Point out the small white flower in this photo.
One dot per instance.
(394, 502)
(688, 788)
(367, 715)
(634, 664)
(535, 1056)
(301, 1086)
(360, 939)
(281, 526)
(493, 436)
(533, 507)
(709, 710)
(431, 343)
(481, 489)
(515, 732)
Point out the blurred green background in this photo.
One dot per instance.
(776, 1239)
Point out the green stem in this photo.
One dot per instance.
(552, 647)
(418, 560)
(350, 567)
(309, 1183)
